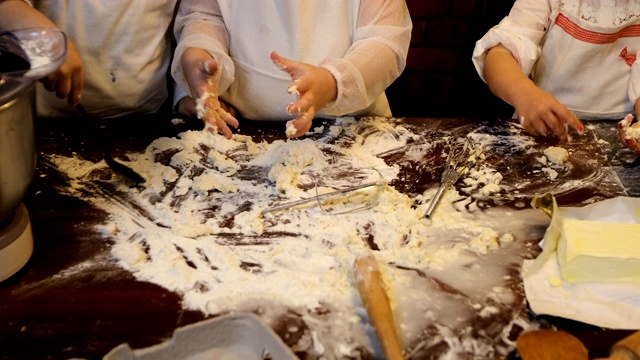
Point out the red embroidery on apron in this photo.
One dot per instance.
(594, 37)
(629, 58)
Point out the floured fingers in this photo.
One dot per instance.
(629, 133)
(301, 125)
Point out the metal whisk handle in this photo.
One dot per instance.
(449, 177)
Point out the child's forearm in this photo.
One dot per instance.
(504, 76)
(17, 14)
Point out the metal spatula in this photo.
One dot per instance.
(113, 164)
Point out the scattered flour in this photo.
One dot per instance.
(197, 228)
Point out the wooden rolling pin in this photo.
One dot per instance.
(375, 300)
(626, 349)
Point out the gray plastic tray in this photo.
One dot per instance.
(228, 337)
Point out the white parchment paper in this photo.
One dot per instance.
(610, 305)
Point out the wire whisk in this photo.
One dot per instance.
(337, 198)
(461, 153)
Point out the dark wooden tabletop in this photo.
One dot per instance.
(47, 317)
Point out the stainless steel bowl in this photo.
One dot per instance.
(17, 146)
(46, 49)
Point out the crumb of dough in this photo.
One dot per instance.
(487, 239)
(293, 89)
(291, 129)
(201, 108)
(506, 238)
(210, 181)
(542, 159)
(222, 163)
(176, 121)
(556, 155)
(284, 177)
(335, 130)
(551, 174)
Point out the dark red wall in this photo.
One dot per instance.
(439, 80)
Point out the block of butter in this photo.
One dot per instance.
(598, 251)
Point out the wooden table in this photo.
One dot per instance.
(86, 315)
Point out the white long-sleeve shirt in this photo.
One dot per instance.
(124, 50)
(581, 51)
(363, 43)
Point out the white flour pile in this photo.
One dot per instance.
(197, 229)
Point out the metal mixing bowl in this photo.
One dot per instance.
(17, 148)
(46, 50)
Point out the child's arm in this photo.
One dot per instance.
(539, 112)
(376, 57)
(67, 81)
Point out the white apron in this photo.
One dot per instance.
(124, 51)
(307, 31)
(588, 67)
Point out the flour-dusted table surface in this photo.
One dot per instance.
(55, 308)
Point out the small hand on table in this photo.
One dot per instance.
(629, 133)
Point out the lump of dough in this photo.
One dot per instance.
(556, 155)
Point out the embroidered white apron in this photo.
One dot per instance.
(587, 67)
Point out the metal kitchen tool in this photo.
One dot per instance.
(333, 194)
(25, 56)
(459, 153)
(113, 164)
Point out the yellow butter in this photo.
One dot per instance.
(596, 251)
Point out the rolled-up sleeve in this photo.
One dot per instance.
(375, 59)
(520, 32)
(199, 24)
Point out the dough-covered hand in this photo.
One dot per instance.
(202, 73)
(67, 81)
(188, 107)
(314, 86)
(542, 114)
(629, 133)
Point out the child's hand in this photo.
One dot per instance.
(629, 134)
(188, 107)
(202, 74)
(542, 114)
(314, 86)
(67, 81)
